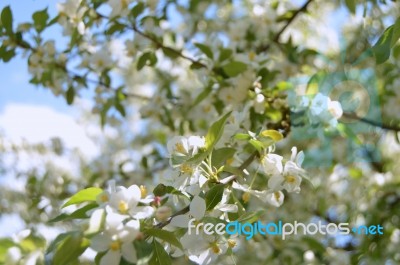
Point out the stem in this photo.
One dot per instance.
(388, 127)
(302, 9)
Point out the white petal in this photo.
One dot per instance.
(100, 243)
(142, 212)
(294, 153)
(114, 220)
(96, 220)
(129, 252)
(276, 198)
(198, 207)
(130, 231)
(275, 182)
(238, 186)
(230, 208)
(180, 221)
(202, 180)
(111, 258)
(134, 193)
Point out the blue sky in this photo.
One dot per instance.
(15, 87)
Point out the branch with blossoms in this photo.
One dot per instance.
(125, 221)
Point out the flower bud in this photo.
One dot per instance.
(163, 213)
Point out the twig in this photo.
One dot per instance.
(302, 9)
(354, 116)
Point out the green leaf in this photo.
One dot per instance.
(164, 235)
(233, 170)
(160, 257)
(224, 54)
(147, 58)
(70, 248)
(205, 49)
(40, 19)
(7, 19)
(345, 131)
(70, 95)
(144, 252)
(351, 5)
(137, 9)
(6, 55)
(78, 214)
(161, 190)
(202, 96)
(242, 136)
(234, 68)
(382, 48)
(215, 132)
(5, 244)
(273, 134)
(86, 195)
(219, 156)
(120, 108)
(214, 196)
(259, 146)
(314, 244)
(251, 217)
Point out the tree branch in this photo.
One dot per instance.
(245, 164)
(161, 45)
(302, 9)
(388, 127)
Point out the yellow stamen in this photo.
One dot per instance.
(277, 195)
(143, 191)
(246, 197)
(123, 207)
(215, 248)
(231, 243)
(104, 198)
(252, 56)
(290, 179)
(180, 148)
(185, 168)
(115, 245)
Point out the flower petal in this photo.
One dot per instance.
(129, 252)
(198, 207)
(111, 258)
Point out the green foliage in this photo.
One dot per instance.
(67, 248)
(161, 190)
(351, 5)
(250, 217)
(7, 20)
(384, 45)
(40, 20)
(86, 195)
(205, 49)
(215, 132)
(5, 244)
(78, 214)
(146, 59)
(70, 95)
(234, 68)
(219, 156)
(160, 257)
(165, 236)
(144, 251)
(214, 196)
